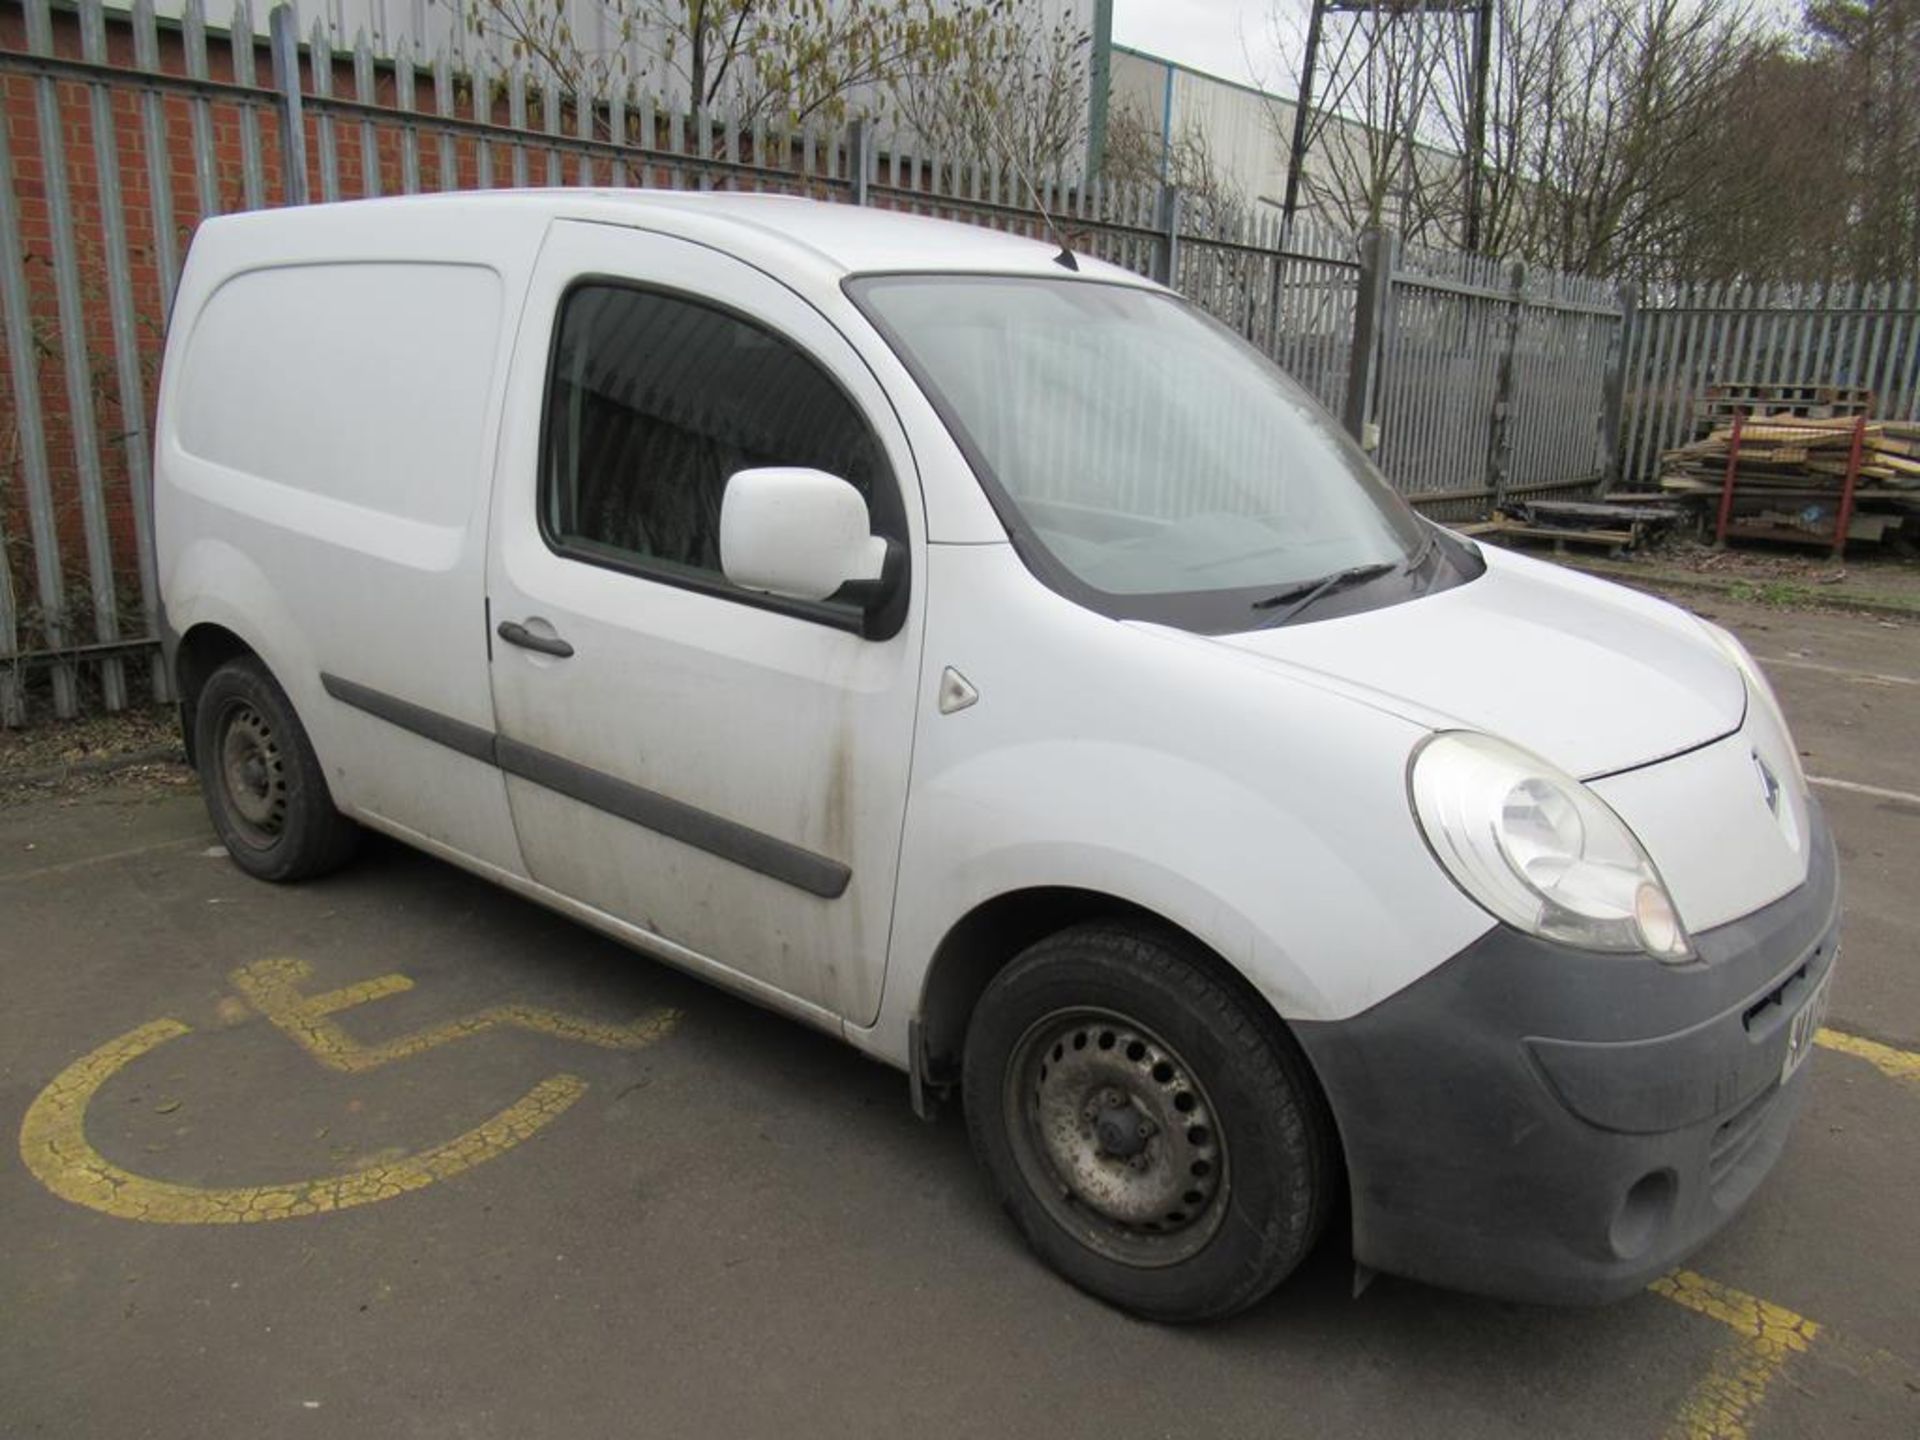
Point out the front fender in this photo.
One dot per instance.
(1306, 911)
(1050, 814)
(1261, 810)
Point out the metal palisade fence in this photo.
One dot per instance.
(1837, 336)
(121, 133)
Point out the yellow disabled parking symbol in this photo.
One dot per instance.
(53, 1136)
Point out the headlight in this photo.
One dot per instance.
(1540, 850)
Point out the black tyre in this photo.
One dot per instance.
(262, 781)
(1156, 1136)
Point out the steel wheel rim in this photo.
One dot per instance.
(1116, 1136)
(253, 775)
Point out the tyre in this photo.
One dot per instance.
(264, 787)
(1156, 1136)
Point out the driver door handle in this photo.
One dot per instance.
(514, 633)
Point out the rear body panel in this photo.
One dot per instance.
(323, 436)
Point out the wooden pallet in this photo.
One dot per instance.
(1767, 392)
(1502, 530)
(1602, 523)
(1781, 457)
(1718, 404)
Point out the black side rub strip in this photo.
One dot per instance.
(675, 819)
(469, 740)
(752, 849)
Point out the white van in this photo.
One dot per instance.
(979, 653)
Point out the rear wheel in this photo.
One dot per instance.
(1157, 1137)
(264, 788)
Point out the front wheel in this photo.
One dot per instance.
(1157, 1138)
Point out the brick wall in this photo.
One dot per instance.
(173, 124)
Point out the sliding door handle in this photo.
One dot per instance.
(514, 633)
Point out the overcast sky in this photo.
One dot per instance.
(1211, 35)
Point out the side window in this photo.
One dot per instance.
(654, 400)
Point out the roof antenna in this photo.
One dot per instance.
(1065, 259)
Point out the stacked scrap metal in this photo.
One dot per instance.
(1791, 473)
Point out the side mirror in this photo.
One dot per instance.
(799, 533)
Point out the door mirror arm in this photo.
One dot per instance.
(872, 595)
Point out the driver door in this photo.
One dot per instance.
(724, 771)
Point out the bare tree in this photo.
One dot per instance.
(780, 59)
(1619, 181)
(1382, 90)
(1867, 53)
(543, 32)
(1811, 170)
(1601, 116)
(1138, 154)
(1014, 91)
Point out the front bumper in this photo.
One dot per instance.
(1538, 1123)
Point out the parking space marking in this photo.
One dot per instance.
(1722, 1404)
(1894, 1064)
(86, 861)
(1865, 677)
(53, 1142)
(273, 988)
(1878, 791)
(53, 1134)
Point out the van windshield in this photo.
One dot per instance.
(1147, 461)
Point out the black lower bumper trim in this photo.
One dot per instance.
(1537, 1123)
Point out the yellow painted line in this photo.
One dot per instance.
(1894, 1064)
(1724, 1402)
(1755, 1319)
(53, 1136)
(54, 1145)
(273, 988)
(1721, 1406)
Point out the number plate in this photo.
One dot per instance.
(1805, 1026)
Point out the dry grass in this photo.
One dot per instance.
(137, 748)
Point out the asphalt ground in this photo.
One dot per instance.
(535, 1204)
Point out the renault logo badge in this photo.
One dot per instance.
(1769, 784)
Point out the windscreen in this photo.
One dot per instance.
(1157, 459)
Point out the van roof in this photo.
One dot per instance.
(845, 238)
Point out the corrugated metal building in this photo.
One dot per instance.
(1244, 130)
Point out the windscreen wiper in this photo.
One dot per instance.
(1308, 591)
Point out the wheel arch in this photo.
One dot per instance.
(220, 604)
(990, 936)
(201, 651)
